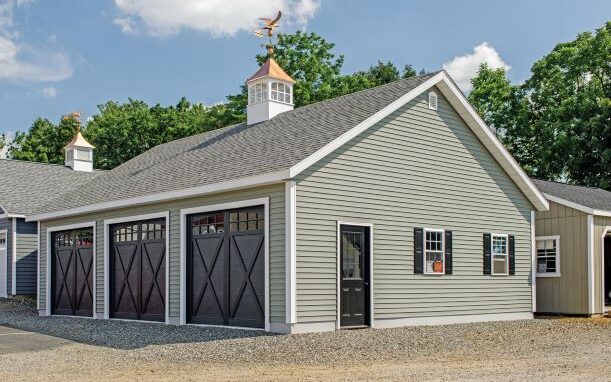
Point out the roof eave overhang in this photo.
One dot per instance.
(7, 215)
(471, 118)
(231, 185)
(577, 206)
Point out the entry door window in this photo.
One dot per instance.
(353, 255)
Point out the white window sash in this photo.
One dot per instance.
(443, 251)
(493, 254)
(556, 238)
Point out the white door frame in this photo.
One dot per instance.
(3, 265)
(50, 231)
(606, 231)
(184, 213)
(339, 269)
(135, 219)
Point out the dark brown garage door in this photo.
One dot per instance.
(137, 270)
(72, 273)
(226, 268)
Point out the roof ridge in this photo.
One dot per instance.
(571, 185)
(35, 163)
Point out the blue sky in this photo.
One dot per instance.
(59, 56)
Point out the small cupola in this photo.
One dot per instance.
(270, 92)
(79, 152)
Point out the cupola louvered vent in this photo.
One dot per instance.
(433, 101)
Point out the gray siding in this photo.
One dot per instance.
(276, 240)
(601, 223)
(567, 294)
(26, 262)
(416, 168)
(7, 224)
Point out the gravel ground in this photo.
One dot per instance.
(542, 349)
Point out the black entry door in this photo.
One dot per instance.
(225, 262)
(137, 270)
(72, 273)
(607, 249)
(354, 282)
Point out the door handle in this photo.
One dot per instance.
(366, 283)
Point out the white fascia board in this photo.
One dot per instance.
(3, 216)
(252, 181)
(577, 206)
(471, 118)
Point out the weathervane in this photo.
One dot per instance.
(76, 117)
(268, 25)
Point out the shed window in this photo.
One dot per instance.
(257, 93)
(548, 256)
(434, 251)
(500, 255)
(281, 92)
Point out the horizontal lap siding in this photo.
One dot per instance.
(276, 242)
(568, 293)
(601, 223)
(416, 168)
(26, 262)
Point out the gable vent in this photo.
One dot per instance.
(433, 101)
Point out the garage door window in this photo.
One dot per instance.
(151, 231)
(127, 233)
(209, 224)
(247, 220)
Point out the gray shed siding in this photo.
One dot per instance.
(416, 168)
(567, 294)
(7, 224)
(26, 262)
(276, 243)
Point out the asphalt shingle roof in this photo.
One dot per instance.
(236, 151)
(594, 198)
(26, 186)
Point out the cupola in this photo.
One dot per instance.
(270, 92)
(79, 152)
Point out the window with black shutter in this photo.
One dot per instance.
(512, 255)
(448, 252)
(418, 250)
(487, 253)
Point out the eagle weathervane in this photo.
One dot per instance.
(74, 116)
(269, 25)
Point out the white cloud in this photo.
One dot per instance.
(216, 17)
(9, 136)
(49, 91)
(463, 68)
(20, 62)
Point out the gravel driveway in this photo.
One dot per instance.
(542, 349)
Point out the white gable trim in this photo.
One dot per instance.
(577, 206)
(470, 116)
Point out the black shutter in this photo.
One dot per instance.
(487, 256)
(418, 251)
(512, 255)
(448, 239)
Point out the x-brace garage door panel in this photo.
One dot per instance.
(72, 273)
(226, 268)
(137, 270)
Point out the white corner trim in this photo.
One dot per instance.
(591, 298)
(14, 258)
(5, 264)
(577, 206)
(38, 266)
(246, 182)
(449, 320)
(602, 266)
(339, 269)
(533, 258)
(185, 212)
(472, 119)
(291, 250)
(50, 230)
(556, 238)
(135, 218)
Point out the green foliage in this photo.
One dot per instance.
(558, 123)
(44, 141)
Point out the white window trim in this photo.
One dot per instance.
(548, 274)
(492, 236)
(443, 241)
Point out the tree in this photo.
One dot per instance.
(44, 141)
(558, 123)
(2, 142)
